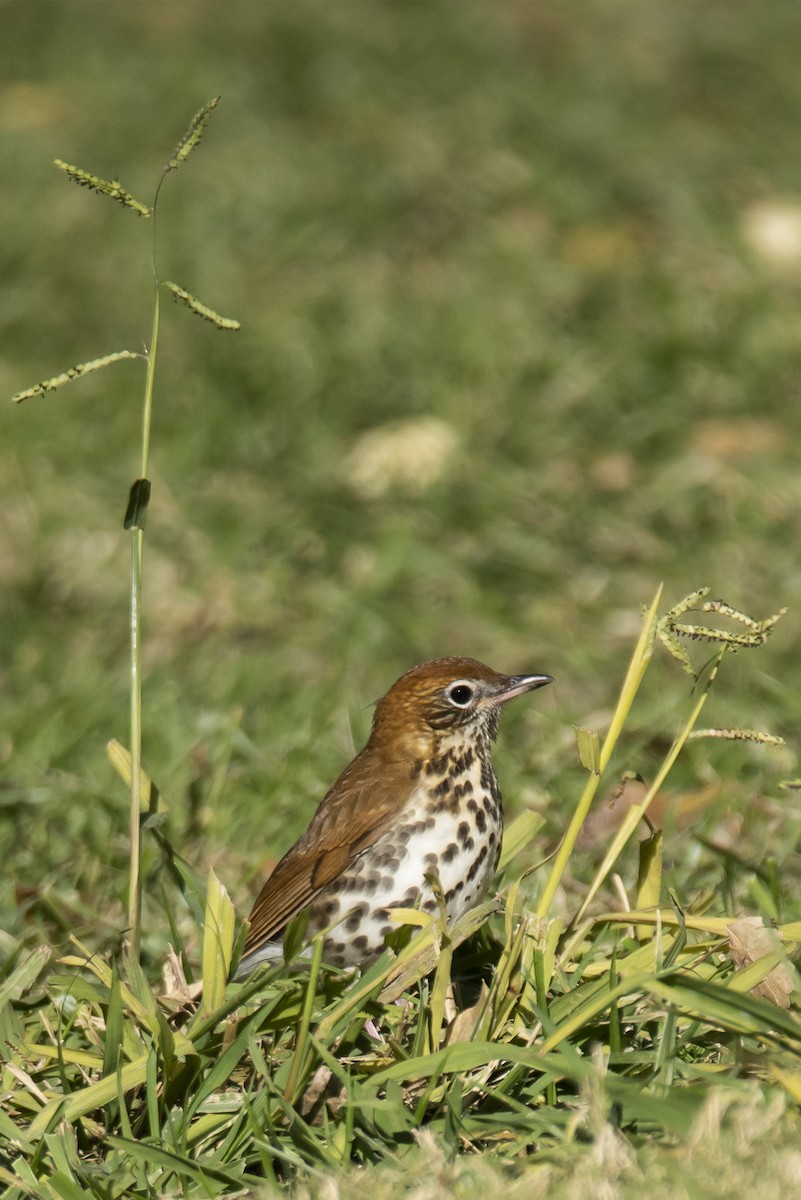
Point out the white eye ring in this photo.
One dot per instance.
(461, 693)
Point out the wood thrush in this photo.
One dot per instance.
(421, 799)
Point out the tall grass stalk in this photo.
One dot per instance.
(139, 496)
(668, 628)
(638, 665)
(638, 811)
(137, 552)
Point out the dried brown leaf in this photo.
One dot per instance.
(176, 992)
(463, 1025)
(750, 939)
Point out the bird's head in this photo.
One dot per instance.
(445, 697)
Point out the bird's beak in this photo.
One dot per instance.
(519, 684)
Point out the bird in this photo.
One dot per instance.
(420, 801)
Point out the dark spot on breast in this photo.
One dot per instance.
(360, 943)
(477, 861)
(448, 804)
(437, 765)
(443, 788)
(431, 859)
(430, 904)
(356, 917)
(463, 789)
(481, 821)
(464, 761)
(386, 930)
(463, 832)
(491, 804)
(410, 895)
(450, 852)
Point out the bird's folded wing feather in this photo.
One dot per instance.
(351, 818)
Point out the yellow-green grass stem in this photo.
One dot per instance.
(638, 665)
(637, 811)
(137, 550)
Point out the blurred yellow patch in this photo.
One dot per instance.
(772, 229)
(410, 455)
(600, 248)
(726, 440)
(613, 472)
(30, 105)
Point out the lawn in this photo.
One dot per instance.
(520, 294)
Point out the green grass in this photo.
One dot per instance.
(544, 226)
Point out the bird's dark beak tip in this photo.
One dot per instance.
(533, 681)
(520, 684)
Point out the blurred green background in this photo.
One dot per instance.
(520, 292)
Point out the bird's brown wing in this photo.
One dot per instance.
(351, 817)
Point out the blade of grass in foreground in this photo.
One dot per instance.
(640, 660)
(637, 811)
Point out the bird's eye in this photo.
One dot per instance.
(461, 694)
